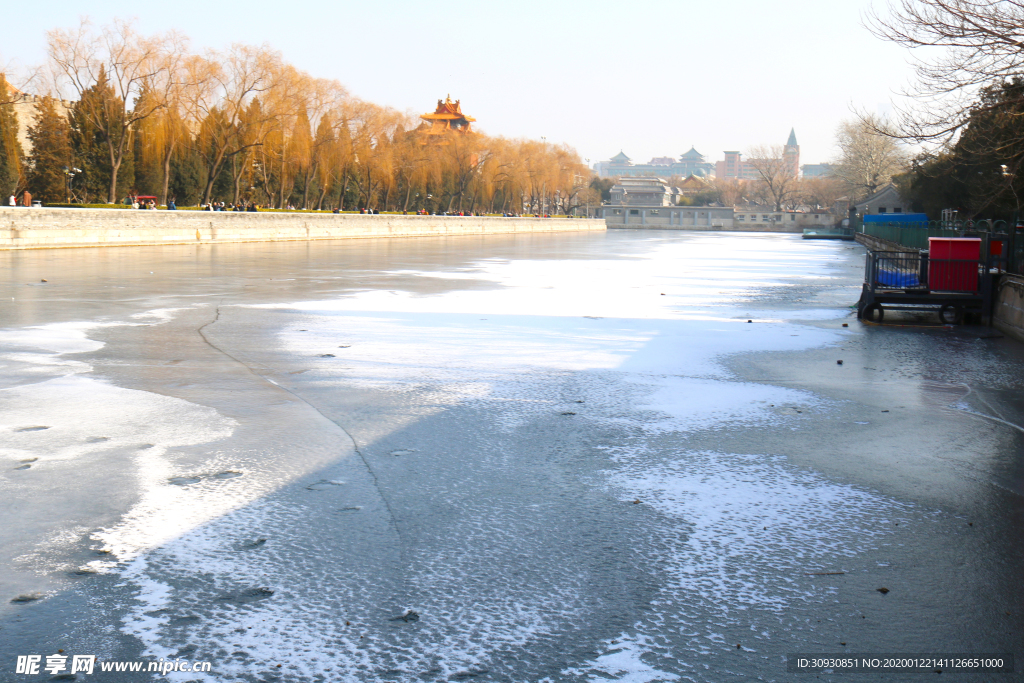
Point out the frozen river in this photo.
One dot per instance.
(625, 456)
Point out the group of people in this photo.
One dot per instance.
(251, 207)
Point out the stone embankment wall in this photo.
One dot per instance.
(23, 228)
(707, 228)
(1008, 310)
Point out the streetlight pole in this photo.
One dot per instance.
(543, 188)
(69, 175)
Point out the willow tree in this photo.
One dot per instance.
(161, 134)
(222, 105)
(10, 148)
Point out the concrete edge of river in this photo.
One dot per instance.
(38, 228)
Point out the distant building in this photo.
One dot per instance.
(693, 185)
(670, 218)
(734, 166)
(885, 200)
(791, 154)
(26, 107)
(447, 118)
(650, 191)
(816, 170)
(689, 163)
(785, 221)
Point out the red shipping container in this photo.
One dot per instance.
(953, 263)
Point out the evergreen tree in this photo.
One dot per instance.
(982, 175)
(10, 148)
(187, 177)
(91, 128)
(51, 153)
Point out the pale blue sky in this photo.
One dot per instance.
(650, 77)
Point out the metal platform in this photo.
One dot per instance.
(899, 281)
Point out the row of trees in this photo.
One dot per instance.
(150, 117)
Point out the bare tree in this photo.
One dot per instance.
(867, 159)
(223, 108)
(774, 173)
(128, 61)
(981, 42)
(730, 189)
(822, 192)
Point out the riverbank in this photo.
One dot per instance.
(22, 228)
(1007, 306)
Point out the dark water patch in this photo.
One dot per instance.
(247, 595)
(252, 545)
(64, 677)
(326, 355)
(408, 616)
(185, 651)
(467, 674)
(31, 429)
(324, 484)
(345, 511)
(226, 474)
(145, 446)
(97, 439)
(27, 597)
(83, 571)
(184, 620)
(184, 481)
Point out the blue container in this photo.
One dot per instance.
(896, 278)
(896, 218)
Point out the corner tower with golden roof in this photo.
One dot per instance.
(447, 118)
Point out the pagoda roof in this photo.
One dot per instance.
(620, 158)
(693, 155)
(447, 111)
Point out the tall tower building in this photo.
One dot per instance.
(791, 154)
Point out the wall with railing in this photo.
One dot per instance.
(915, 236)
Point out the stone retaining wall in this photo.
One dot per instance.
(1008, 311)
(23, 228)
(707, 228)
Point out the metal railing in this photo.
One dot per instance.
(903, 271)
(1007, 242)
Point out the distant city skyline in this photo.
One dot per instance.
(652, 80)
